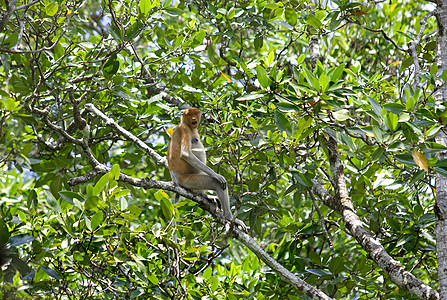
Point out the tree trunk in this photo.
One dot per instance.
(441, 181)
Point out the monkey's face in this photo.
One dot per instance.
(191, 117)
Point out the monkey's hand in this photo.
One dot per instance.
(241, 225)
(222, 181)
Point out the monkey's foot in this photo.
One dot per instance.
(229, 226)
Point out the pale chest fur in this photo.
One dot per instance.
(197, 147)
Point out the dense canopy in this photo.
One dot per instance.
(324, 117)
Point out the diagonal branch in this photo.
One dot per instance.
(126, 134)
(342, 203)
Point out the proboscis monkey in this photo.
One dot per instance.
(187, 161)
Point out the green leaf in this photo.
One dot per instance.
(115, 172)
(11, 104)
(207, 273)
(442, 171)
(88, 223)
(51, 9)
(91, 203)
(324, 82)
(11, 41)
(406, 159)
(282, 122)
(258, 43)
(231, 13)
(78, 256)
(52, 202)
(263, 77)
(166, 205)
(404, 117)
(411, 102)
(174, 11)
(253, 122)
(338, 71)
(335, 21)
(426, 218)
(304, 123)
(395, 108)
(341, 115)
(270, 58)
(51, 272)
(336, 265)
(313, 82)
(378, 133)
(406, 63)
(290, 16)
(111, 66)
(144, 6)
(287, 107)
(248, 97)
(378, 154)
(317, 272)
(376, 107)
(133, 212)
(313, 21)
(69, 196)
(152, 278)
(391, 121)
(97, 219)
(56, 186)
(4, 232)
(300, 59)
(101, 184)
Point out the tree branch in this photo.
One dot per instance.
(342, 203)
(413, 45)
(126, 134)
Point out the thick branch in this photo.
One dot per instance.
(441, 138)
(10, 8)
(342, 202)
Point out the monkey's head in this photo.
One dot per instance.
(191, 117)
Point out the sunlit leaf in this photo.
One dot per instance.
(174, 11)
(341, 115)
(101, 184)
(263, 77)
(313, 21)
(290, 16)
(420, 159)
(51, 8)
(248, 97)
(145, 6)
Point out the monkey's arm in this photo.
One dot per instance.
(190, 158)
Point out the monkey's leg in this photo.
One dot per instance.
(205, 182)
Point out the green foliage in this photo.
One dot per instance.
(267, 112)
